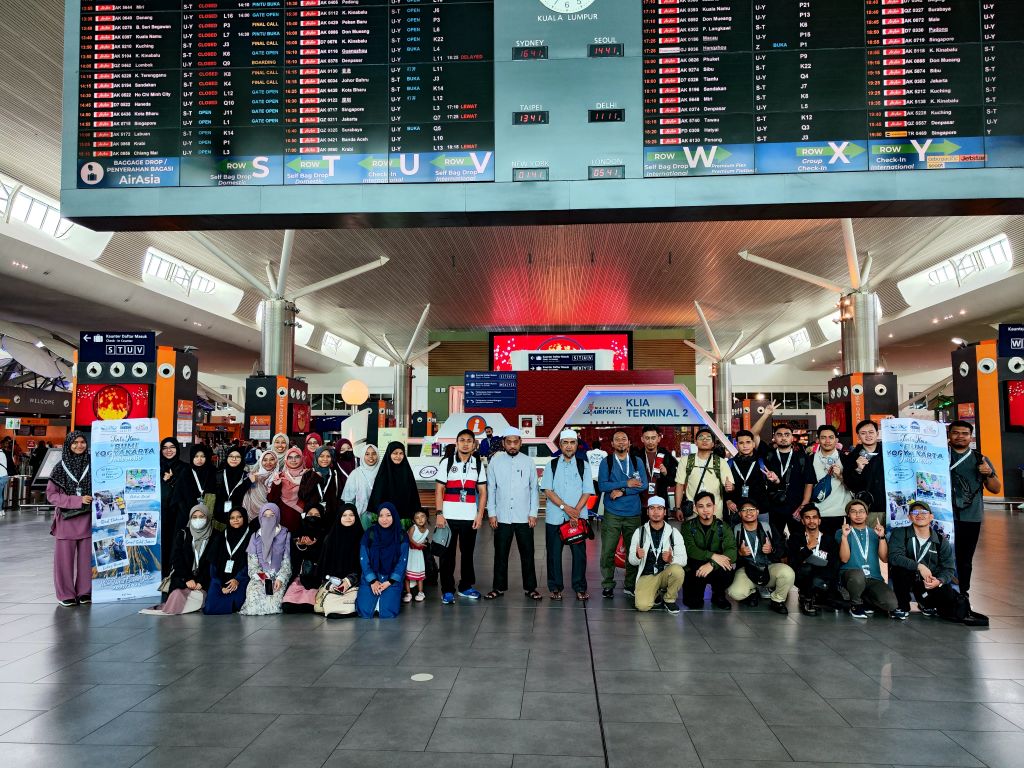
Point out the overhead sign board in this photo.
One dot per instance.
(117, 346)
(491, 389)
(1011, 340)
(562, 361)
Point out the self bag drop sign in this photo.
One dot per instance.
(125, 510)
(917, 469)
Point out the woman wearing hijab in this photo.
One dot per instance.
(270, 567)
(313, 442)
(171, 469)
(229, 568)
(190, 577)
(395, 483)
(320, 486)
(360, 483)
(339, 565)
(260, 478)
(69, 490)
(196, 485)
(383, 554)
(232, 485)
(344, 460)
(284, 490)
(306, 551)
(279, 446)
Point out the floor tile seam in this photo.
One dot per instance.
(961, 746)
(146, 754)
(38, 712)
(986, 704)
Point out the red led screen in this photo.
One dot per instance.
(108, 402)
(1015, 405)
(504, 344)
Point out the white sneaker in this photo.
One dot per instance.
(407, 598)
(420, 597)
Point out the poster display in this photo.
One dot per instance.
(125, 465)
(916, 459)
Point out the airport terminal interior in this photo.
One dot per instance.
(311, 309)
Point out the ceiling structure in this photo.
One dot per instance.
(621, 275)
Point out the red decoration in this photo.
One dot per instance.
(109, 402)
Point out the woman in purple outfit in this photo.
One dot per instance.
(70, 492)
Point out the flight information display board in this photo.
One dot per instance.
(299, 93)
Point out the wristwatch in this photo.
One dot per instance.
(562, 507)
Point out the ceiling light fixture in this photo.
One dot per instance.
(935, 321)
(835, 371)
(963, 311)
(880, 369)
(958, 341)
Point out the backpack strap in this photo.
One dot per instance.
(581, 465)
(554, 467)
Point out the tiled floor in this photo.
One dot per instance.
(515, 683)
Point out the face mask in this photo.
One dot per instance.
(198, 524)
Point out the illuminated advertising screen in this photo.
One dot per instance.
(109, 402)
(504, 344)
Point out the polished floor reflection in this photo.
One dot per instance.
(514, 683)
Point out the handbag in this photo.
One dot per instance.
(822, 489)
(165, 583)
(440, 540)
(321, 595)
(620, 554)
(574, 531)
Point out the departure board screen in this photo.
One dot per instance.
(182, 94)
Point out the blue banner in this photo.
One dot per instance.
(125, 465)
(916, 457)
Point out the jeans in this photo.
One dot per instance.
(463, 539)
(553, 544)
(503, 535)
(668, 581)
(3, 491)
(694, 586)
(966, 534)
(905, 582)
(862, 588)
(780, 582)
(611, 528)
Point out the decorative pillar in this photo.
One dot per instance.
(723, 396)
(858, 313)
(277, 351)
(403, 394)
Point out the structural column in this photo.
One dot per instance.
(277, 350)
(858, 312)
(723, 396)
(403, 394)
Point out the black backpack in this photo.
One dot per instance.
(451, 463)
(581, 466)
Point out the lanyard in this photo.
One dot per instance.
(650, 466)
(862, 549)
(789, 460)
(816, 549)
(750, 469)
(346, 474)
(465, 471)
(323, 490)
(232, 491)
(231, 552)
(625, 469)
(198, 555)
(960, 461)
(754, 549)
(919, 556)
(199, 486)
(78, 480)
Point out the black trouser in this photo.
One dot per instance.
(554, 545)
(813, 580)
(905, 582)
(966, 534)
(463, 539)
(783, 520)
(694, 585)
(503, 535)
(829, 525)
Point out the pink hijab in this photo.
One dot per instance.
(290, 481)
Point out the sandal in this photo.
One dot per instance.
(534, 595)
(556, 595)
(493, 594)
(582, 595)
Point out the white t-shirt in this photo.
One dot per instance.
(460, 487)
(595, 456)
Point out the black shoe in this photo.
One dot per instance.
(808, 608)
(779, 608)
(753, 601)
(671, 607)
(85, 599)
(608, 592)
(721, 603)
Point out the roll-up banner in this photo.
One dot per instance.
(916, 458)
(125, 510)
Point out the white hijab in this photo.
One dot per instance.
(360, 483)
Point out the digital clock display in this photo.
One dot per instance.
(536, 117)
(606, 116)
(605, 50)
(606, 172)
(529, 52)
(530, 174)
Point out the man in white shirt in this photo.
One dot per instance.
(659, 553)
(830, 496)
(512, 503)
(460, 496)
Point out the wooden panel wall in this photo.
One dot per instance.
(454, 358)
(664, 354)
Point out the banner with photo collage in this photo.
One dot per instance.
(916, 457)
(125, 510)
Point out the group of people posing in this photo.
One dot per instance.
(303, 530)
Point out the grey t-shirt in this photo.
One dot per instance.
(968, 490)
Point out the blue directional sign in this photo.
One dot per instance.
(491, 389)
(114, 346)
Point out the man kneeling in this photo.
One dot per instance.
(921, 561)
(761, 552)
(659, 554)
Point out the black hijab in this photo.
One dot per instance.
(395, 483)
(72, 474)
(205, 474)
(234, 474)
(306, 559)
(236, 539)
(340, 557)
(172, 464)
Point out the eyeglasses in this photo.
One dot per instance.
(916, 512)
(749, 509)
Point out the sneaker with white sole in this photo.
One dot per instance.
(858, 612)
(420, 597)
(899, 615)
(470, 593)
(628, 593)
(671, 607)
(67, 603)
(447, 598)
(407, 597)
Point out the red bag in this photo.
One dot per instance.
(574, 531)
(620, 554)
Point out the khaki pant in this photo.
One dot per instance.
(669, 580)
(780, 582)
